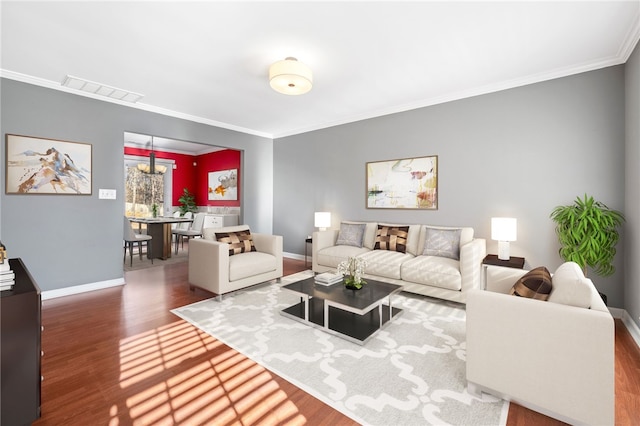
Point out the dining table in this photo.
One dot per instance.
(159, 228)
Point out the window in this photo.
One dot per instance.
(142, 191)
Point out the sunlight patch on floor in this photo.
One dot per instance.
(249, 395)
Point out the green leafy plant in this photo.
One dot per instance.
(587, 231)
(154, 210)
(187, 202)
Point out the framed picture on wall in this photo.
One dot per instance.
(47, 166)
(407, 183)
(223, 185)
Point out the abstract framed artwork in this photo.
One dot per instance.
(223, 185)
(407, 183)
(47, 166)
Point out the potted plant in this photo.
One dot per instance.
(187, 202)
(588, 234)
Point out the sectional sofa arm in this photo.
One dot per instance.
(208, 264)
(471, 256)
(554, 357)
(322, 240)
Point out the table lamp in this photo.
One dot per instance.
(503, 230)
(322, 220)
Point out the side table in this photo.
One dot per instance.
(307, 241)
(492, 260)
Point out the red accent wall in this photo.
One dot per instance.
(195, 177)
(213, 162)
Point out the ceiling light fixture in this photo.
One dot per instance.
(290, 77)
(101, 89)
(151, 168)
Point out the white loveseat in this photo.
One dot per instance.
(555, 356)
(212, 268)
(431, 275)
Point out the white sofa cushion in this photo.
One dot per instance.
(384, 263)
(434, 271)
(332, 256)
(570, 286)
(249, 264)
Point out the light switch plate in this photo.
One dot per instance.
(107, 194)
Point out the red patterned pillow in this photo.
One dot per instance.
(239, 242)
(393, 238)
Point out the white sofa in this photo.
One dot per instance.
(430, 275)
(555, 357)
(212, 268)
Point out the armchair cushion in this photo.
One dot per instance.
(251, 264)
(442, 242)
(239, 242)
(535, 284)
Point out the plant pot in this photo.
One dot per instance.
(351, 284)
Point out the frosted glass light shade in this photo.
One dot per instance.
(503, 230)
(151, 167)
(322, 220)
(290, 77)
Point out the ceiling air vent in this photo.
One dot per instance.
(101, 89)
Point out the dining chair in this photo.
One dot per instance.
(131, 238)
(180, 226)
(195, 230)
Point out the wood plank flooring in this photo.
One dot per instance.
(119, 357)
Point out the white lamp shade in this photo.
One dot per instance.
(290, 77)
(504, 228)
(322, 220)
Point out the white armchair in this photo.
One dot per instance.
(212, 268)
(553, 358)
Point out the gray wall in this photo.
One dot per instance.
(73, 240)
(632, 205)
(518, 152)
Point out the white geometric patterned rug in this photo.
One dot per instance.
(410, 373)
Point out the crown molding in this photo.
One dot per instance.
(477, 91)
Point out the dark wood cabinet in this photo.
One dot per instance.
(20, 347)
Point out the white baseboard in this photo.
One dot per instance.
(83, 288)
(617, 312)
(633, 328)
(293, 255)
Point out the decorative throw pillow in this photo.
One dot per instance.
(443, 243)
(393, 238)
(239, 242)
(535, 284)
(570, 286)
(351, 234)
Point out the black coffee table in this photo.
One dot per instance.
(355, 315)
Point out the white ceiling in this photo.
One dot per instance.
(208, 61)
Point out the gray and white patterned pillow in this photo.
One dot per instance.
(351, 234)
(443, 243)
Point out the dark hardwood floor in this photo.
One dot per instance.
(119, 357)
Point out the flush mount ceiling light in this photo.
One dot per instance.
(290, 77)
(101, 89)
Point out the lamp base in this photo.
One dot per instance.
(503, 250)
